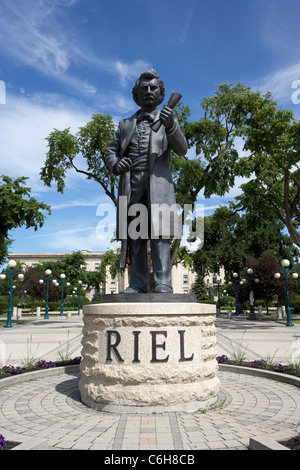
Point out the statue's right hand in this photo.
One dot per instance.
(122, 166)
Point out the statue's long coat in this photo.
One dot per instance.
(160, 177)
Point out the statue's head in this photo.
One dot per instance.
(149, 76)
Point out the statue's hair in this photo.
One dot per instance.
(149, 74)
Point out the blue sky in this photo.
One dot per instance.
(64, 60)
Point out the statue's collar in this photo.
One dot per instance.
(145, 114)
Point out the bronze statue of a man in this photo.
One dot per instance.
(142, 159)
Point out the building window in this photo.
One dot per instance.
(113, 280)
(185, 279)
(214, 279)
(97, 265)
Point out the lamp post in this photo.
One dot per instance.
(48, 277)
(218, 287)
(73, 295)
(236, 281)
(251, 277)
(11, 264)
(285, 264)
(62, 282)
(225, 294)
(13, 298)
(80, 286)
(24, 299)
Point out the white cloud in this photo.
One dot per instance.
(39, 34)
(130, 71)
(25, 122)
(185, 25)
(84, 237)
(280, 82)
(214, 207)
(30, 32)
(76, 203)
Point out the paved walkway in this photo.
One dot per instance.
(48, 411)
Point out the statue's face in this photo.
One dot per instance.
(149, 94)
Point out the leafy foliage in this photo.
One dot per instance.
(71, 265)
(90, 143)
(17, 209)
(199, 289)
(268, 288)
(272, 141)
(230, 238)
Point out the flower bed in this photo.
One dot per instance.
(291, 369)
(7, 445)
(292, 444)
(7, 371)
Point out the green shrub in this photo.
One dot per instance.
(3, 303)
(295, 304)
(54, 306)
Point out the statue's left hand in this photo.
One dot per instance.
(167, 117)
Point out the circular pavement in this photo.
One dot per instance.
(49, 409)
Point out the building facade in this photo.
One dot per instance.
(183, 277)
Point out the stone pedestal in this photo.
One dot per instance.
(149, 356)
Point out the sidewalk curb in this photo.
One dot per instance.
(27, 443)
(278, 376)
(265, 443)
(37, 374)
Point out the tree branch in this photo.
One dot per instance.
(92, 176)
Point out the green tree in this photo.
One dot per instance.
(199, 288)
(5, 283)
(90, 142)
(268, 288)
(72, 265)
(231, 237)
(35, 290)
(271, 139)
(17, 209)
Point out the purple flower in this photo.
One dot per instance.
(222, 359)
(261, 363)
(42, 364)
(16, 370)
(76, 360)
(2, 442)
(282, 368)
